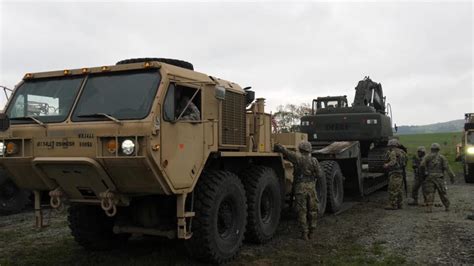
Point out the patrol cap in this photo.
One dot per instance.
(435, 146)
(421, 149)
(393, 143)
(305, 146)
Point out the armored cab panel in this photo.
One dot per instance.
(290, 140)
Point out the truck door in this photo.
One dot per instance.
(182, 134)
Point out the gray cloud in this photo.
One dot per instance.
(289, 52)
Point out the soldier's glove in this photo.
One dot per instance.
(385, 166)
(277, 147)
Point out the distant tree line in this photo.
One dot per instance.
(287, 117)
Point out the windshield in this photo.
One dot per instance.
(48, 100)
(470, 137)
(124, 95)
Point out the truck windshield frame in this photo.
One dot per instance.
(123, 95)
(470, 137)
(48, 100)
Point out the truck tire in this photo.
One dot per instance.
(12, 198)
(174, 62)
(92, 229)
(264, 200)
(335, 185)
(321, 191)
(221, 216)
(469, 173)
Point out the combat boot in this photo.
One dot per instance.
(446, 208)
(312, 235)
(400, 206)
(391, 207)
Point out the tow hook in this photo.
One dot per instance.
(109, 201)
(56, 201)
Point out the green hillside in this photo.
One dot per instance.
(450, 126)
(447, 141)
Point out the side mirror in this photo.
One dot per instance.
(249, 97)
(220, 93)
(4, 122)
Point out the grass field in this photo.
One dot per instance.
(447, 141)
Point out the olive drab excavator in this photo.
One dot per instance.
(350, 140)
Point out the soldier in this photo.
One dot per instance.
(436, 165)
(191, 112)
(418, 176)
(306, 171)
(396, 161)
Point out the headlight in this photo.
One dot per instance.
(470, 150)
(128, 147)
(111, 146)
(2, 149)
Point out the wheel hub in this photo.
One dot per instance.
(225, 218)
(7, 191)
(266, 205)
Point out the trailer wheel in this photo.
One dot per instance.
(321, 191)
(469, 173)
(264, 201)
(12, 198)
(92, 229)
(335, 185)
(221, 216)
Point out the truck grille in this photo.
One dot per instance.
(233, 119)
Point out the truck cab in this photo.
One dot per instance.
(466, 151)
(148, 146)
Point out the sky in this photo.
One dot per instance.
(289, 52)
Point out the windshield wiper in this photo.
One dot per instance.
(31, 118)
(102, 115)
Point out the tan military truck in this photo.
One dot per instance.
(465, 150)
(118, 144)
(12, 198)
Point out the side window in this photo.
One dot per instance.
(169, 104)
(18, 109)
(182, 103)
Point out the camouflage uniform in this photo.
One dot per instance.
(396, 161)
(191, 112)
(418, 175)
(435, 165)
(306, 171)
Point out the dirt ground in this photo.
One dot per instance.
(364, 234)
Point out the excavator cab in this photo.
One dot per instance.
(329, 102)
